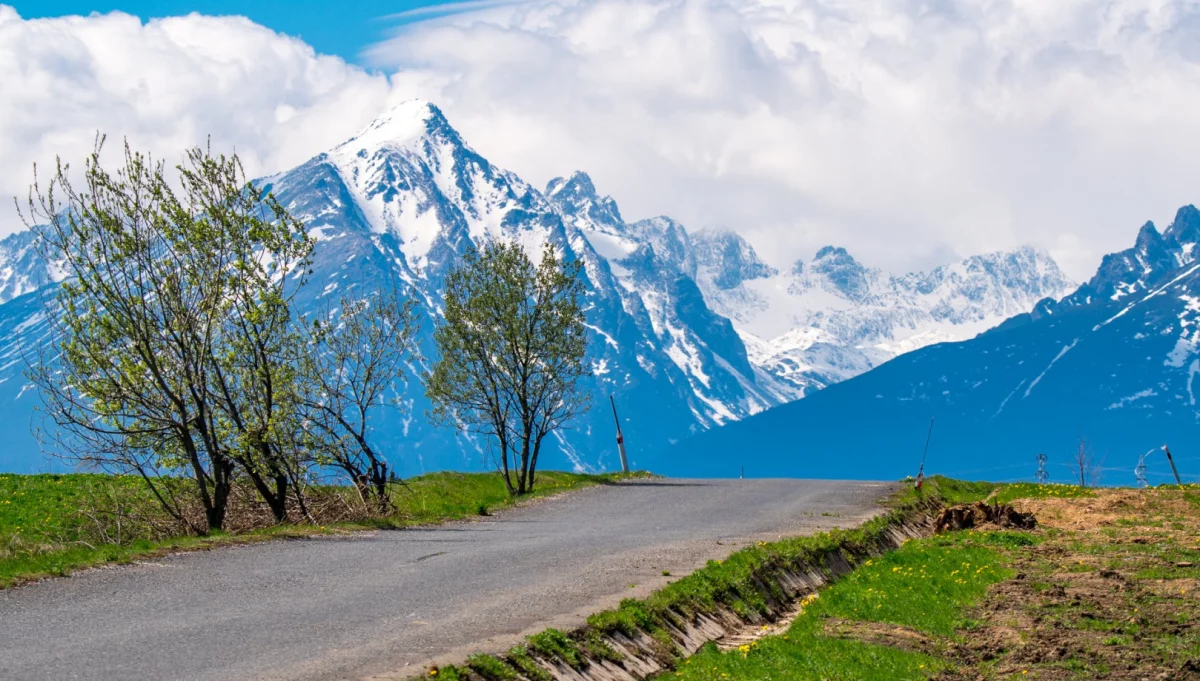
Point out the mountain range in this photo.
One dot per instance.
(689, 331)
(1114, 364)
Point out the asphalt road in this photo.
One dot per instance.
(380, 604)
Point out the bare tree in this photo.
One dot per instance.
(356, 354)
(512, 347)
(1088, 471)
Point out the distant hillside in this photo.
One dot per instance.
(1116, 362)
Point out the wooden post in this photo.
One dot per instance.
(620, 437)
(921, 472)
(1173, 469)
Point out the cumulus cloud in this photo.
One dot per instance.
(906, 130)
(165, 85)
(909, 131)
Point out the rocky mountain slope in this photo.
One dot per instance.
(406, 197)
(1114, 362)
(832, 318)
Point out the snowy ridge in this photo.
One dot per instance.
(405, 198)
(831, 318)
(22, 268)
(1116, 362)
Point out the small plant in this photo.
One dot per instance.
(666, 573)
(520, 660)
(490, 668)
(554, 644)
(482, 510)
(599, 649)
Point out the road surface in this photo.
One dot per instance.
(380, 604)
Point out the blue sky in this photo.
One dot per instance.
(909, 133)
(343, 28)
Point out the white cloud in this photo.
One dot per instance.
(902, 129)
(905, 130)
(168, 84)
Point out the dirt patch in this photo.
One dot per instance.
(1108, 592)
(981, 515)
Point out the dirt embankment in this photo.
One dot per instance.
(1109, 592)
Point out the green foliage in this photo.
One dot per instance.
(554, 644)
(1030, 490)
(174, 326)
(595, 646)
(520, 660)
(54, 524)
(511, 347)
(356, 354)
(491, 668)
(631, 616)
(924, 585)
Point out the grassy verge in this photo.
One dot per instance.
(51, 525)
(747, 583)
(885, 621)
(1107, 587)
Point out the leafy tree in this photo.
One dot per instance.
(266, 254)
(357, 354)
(512, 347)
(170, 325)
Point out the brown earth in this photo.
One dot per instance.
(1110, 591)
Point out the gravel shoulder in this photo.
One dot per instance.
(380, 604)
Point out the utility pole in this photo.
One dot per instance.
(1173, 469)
(620, 438)
(1042, 475)
(1140, 471)
(921, 472)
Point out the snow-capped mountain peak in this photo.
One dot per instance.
(842, 274)
(831, 318)
(1140, 267)
(406, 124)
(727, 260)
(414, 177)
(1185, 228)
(578, 202)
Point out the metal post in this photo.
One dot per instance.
(1173, 469)
(620, 438)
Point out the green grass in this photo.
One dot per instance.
(952, 492)
(1031, 490)
(743, 581)
(938, 489)
(925, 586)
(39, 508)
(46, 531)
(438, 497)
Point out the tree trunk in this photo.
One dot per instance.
(379, 473)
(537, 448)
(276, 499)
(222, 485)
(512, 491)
(523, 477)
